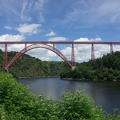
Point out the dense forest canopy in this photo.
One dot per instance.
(27, 66)
(104, 68)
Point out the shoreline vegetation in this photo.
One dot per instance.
(40, 77)
(30, 67)
(17, 103)
(77, 79)
(106, 68)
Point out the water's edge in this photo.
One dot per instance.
(105, 93)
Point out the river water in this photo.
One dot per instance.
(106, 94)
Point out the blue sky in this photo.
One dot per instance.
(60, 20)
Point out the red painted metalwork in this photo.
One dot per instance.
(18, 55)
(111, 48)
(6, 64)
(5, 56)
(53, 45)
(92, 52)
(52, 42)
(73, 56)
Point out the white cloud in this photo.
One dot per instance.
(116, 48)
(52, 33)
(24, 10)
(88, 40)
(67, 53)
(8, 27)
(31, 8)
(90, 13)
(10, 37)
(34, 7)
(42, 53)
(16, 47)
(26, 6)
(110, 10)
(29, 28)
(83, 51)
(81, 39)
(98, 39)
(57, 39)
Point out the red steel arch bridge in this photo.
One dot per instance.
(50, 46)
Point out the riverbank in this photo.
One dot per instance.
(77, 79)
(40, 77)
(24, 105)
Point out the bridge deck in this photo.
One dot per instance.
(59, 42)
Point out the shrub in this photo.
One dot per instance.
(16, 103)
(75, 105)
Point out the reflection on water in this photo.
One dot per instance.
(106, 94)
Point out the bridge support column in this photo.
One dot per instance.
(73, 58)
(73, 67)
(6, 69)
(111, 48)
(5, 60)
(92, 52)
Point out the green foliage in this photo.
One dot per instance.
(75, 105)
(2, 113)
(27, 66)
(16, 103)
(21, 104)
(106, 68)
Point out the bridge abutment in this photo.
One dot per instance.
(6, 69)
(73, 67)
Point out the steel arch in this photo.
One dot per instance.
(30, 47)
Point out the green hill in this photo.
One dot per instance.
(27, 66)
(106, 68)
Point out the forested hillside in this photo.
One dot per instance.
(106, 68)
(27, 66)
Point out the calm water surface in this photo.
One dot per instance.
(106, 94)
